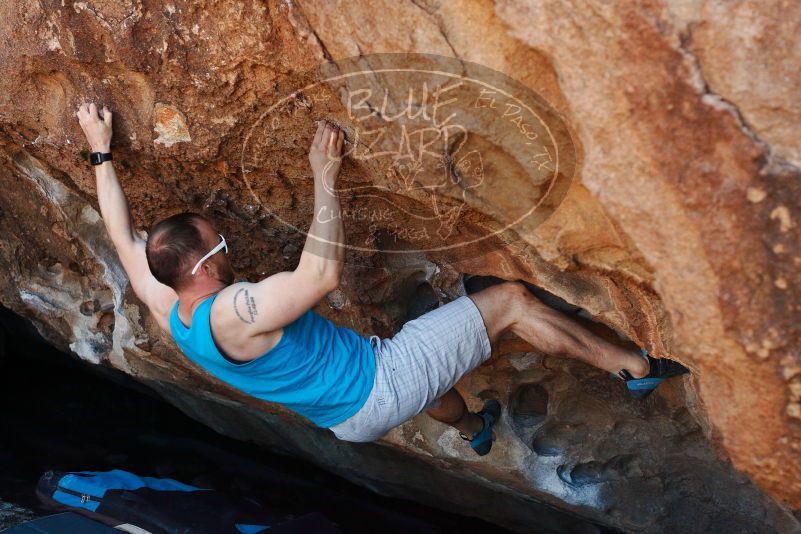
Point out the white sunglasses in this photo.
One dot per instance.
(212, 252)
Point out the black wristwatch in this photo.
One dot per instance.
(96, 158)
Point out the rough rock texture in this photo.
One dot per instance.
(12, 515)
(678, 230)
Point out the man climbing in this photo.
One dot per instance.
(265, 339)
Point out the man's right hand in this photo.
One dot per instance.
(97, 129)
(326, 151)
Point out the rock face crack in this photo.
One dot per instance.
(437, 18)
(308, 27)
(719, 102)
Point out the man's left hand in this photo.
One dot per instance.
(325, 154)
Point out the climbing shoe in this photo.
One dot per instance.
(481, 442)
(660, 370)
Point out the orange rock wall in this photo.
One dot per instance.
(680, 227)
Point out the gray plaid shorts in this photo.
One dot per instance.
(418, 365)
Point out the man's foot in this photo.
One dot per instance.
(660, 370)
(481, 442)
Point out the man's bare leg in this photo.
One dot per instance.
(510, 306)
(453, 411)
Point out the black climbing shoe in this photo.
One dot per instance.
(481, 442)
(660, 370)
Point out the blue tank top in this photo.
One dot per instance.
(317, 369)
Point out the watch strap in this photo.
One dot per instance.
(96, 158)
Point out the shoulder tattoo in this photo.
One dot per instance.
(245, 306)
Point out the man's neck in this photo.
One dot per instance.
(190, 297)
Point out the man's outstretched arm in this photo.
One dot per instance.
(323, 255)
(117, 217)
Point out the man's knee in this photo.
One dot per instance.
(518, 298)
(501, 305)
(515, 289)
(506, 292)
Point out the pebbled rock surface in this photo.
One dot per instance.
(12, 515)
(679, 230)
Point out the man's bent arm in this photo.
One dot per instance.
(283, 297)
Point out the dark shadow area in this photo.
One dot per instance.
(60, 414)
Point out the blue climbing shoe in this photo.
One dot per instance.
(481, 442)
(660, 370)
